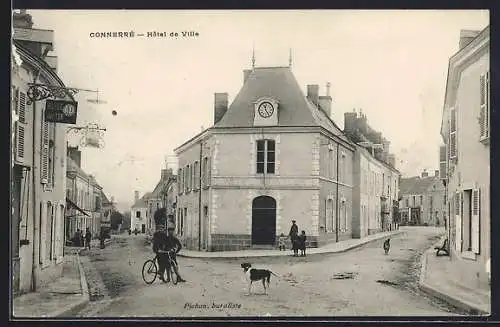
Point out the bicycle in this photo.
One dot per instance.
(150, 268)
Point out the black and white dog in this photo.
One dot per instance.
(254, 275)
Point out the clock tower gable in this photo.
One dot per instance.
(266, 112)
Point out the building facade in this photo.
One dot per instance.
(376, 180)
(139, 213)
(84, 198)
(39, 163)
(272, 156)
(422, 200)
(465, 158)
(158, 198)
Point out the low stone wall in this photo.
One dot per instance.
(230, 242)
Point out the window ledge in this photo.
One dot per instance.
(469, 255)
(485, 140)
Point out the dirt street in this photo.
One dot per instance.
(359, 282)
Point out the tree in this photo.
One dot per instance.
(126, 220)
(160, 216)
(116, 220)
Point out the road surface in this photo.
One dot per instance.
(360, 282)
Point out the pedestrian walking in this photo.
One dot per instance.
(294, 231)
(88, 238)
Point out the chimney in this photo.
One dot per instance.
(425, 174)
(350, 121)
(313, 93)
(75, 155)
(391, 160)
(166, 173)
(136, 196)
(436, 173)
(220, 106)
(466, 36)
(325, 101)
(22, 19)
(246, 73)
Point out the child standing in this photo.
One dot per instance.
(302, 244)
(281, 241)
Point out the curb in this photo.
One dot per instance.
(426, 288)
(196, 256)
(74, 308)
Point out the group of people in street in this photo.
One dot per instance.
(81, 240)
(298, 240)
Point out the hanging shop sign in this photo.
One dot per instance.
(61, 111)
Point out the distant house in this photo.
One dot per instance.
(159, 198)
(422, 200)
(139, 213)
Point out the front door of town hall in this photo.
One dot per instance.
(263, 221)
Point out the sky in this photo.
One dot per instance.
(390, 64)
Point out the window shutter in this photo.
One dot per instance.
(453, 133)
(487, 100)
(443, 173)
(21, 129)
(483, 132)
(45, 153)
(458, 221)
(209, 170)
(476, 213)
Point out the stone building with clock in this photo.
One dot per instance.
(273, 155)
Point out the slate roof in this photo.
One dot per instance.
(141, 203)
(416, 185)
(294, 109)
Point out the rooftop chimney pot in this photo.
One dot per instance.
(220, 106)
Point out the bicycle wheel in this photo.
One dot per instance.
(173, 275)
(149, 271)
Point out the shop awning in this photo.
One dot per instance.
(72, 204)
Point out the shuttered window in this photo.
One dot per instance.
(443, 173)
(458, 221)
(44, 165)
(196, 175)
(179, 176)
(484, 112)
(453, 133)
(475, 224)
(21, 127)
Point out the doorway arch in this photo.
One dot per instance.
(263, 220)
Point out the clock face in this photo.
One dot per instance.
(69, 109)
(266, 109)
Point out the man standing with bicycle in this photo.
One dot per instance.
(173, 245)
(159, 247)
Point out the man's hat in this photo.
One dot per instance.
(293, 221)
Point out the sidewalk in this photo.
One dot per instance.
(329, 248)
(439, 278)
(63, 297)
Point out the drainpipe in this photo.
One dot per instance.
(199, 195)
(337, 202)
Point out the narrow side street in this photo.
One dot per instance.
(359, 282)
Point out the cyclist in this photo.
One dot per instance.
(159, 245)
(173, 245)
